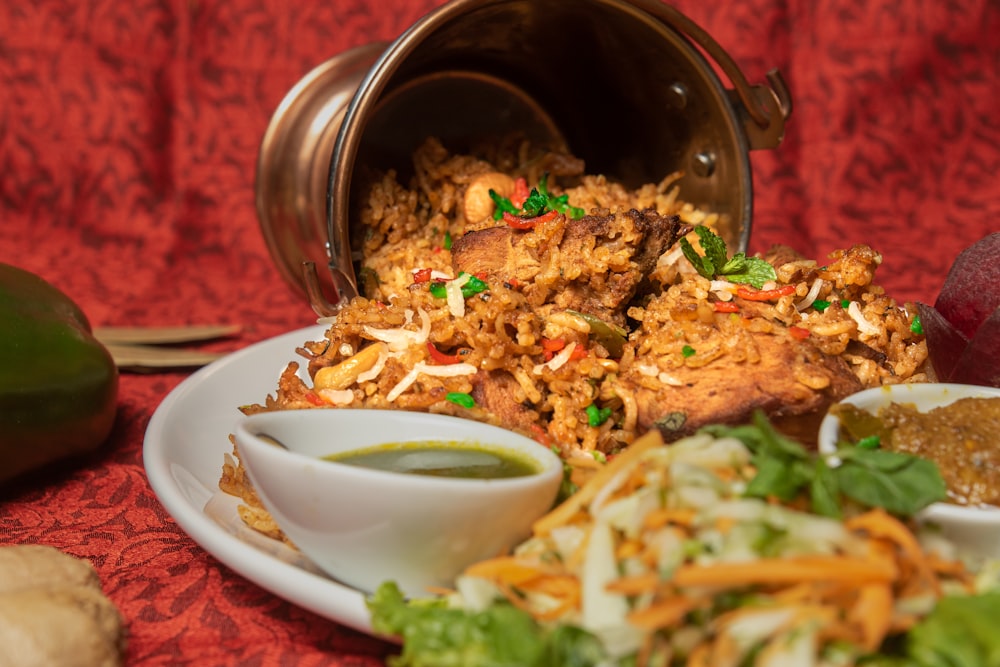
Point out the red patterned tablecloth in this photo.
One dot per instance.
(128, 137)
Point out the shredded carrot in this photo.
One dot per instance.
(637, 583)
(879, 523)
(873, 613)
(700, 657)
(670, 515)
(799, 593)
(579, 500)
(852, 594)
(724, 524)
(665, 613)
(562, 595)
(628, 548)
(509, 569)
(784, 571)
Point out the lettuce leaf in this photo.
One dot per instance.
(960, 632)
(435, 635)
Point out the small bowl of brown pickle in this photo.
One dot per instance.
(957, 426)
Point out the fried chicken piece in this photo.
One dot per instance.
(595, 264)
(790, 380)
(494, 391)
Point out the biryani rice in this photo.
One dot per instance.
(509, 327)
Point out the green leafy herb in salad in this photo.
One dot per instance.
(899, 483)
(960, 632)
(716, 263)
(501, 635)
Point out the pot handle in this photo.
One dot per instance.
(763, 108)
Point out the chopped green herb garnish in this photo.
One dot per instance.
(503, 205)
(597, 416)
(687, 351)
(917, 326)
(447, 241)
(870, 442)
(470, 288)
(474, 286)
(460, 398)
(821, 304)
(539, 201)
(716, 263)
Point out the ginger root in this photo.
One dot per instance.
(54, 613)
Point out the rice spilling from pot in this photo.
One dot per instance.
(585, 332)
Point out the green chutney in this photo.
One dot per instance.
(438, 458)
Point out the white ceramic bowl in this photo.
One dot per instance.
(975, 529)
(365, 526)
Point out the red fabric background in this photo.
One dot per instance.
(128, 138)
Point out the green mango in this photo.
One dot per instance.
(58, 384)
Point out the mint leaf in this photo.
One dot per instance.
(900, 483)
(714, 263)
(777, 478)
(824, 491)
(713, 246)
(737, 264)
(701, 263)
(755, 271)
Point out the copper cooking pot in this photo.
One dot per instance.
(627, 85)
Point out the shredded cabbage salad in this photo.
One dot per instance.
(682, 555)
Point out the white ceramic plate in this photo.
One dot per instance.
(183, 451)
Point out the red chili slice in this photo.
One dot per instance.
(422, 276)
(521, 192)
(517, 222)
(751, 294)
(440, 357)
(541, 435)
(799, 333)
(550, 346)
(726, 307)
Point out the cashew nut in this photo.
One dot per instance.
(477, 205)
(346, 373)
